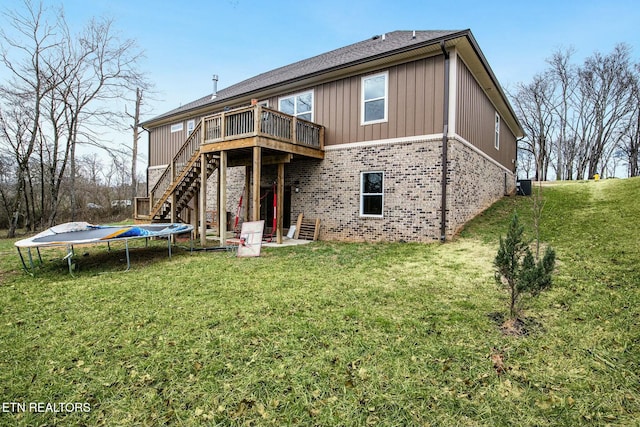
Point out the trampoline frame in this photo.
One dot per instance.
(47, 239)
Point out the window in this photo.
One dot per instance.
(496, 138)
(375, 90)
(299, 105)
(176, 127)
(191, 125)
(371, 193)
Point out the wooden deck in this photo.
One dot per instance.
(258, 126)
(250, 136)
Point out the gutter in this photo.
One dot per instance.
(445, 137)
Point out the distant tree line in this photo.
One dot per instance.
(102, 186)
(580, 120)
(60, 95)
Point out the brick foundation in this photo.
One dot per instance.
(329, 189)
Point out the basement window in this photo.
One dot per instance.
(177, 127)
(496, 138)
(371, 194)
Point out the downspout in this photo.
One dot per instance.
(445, 134)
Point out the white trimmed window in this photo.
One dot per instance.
(375, 98)
(372, 194)
(191, 125)
(496, 138)
(177, 127)
(299, 105)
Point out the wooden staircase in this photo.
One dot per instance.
(181, 180)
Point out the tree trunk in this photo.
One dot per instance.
(134, 155)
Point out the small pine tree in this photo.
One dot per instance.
(517, 269)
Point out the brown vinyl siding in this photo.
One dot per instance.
(475, 119)
(415, 108)
(165, 144)
(415, 104)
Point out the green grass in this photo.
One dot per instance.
(336, 334)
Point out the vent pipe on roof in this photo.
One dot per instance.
(414, 34)
(384, 36)
(215, 86)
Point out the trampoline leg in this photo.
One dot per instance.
(39, 256)
(68, 258)
(33, 267)
(24, 265)
(126, 250)
(169, 244)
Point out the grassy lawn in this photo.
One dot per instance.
(334, 333)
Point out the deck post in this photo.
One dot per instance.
(203, 200)
(245, 195)
(294, 130)
(280, 203)
(195, 215)
(222, 198)
(255, 190)
(173, 213)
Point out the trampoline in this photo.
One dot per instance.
(82, 233)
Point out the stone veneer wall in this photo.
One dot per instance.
(330, 189)
(475, 183)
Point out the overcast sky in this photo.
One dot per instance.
(185, 42)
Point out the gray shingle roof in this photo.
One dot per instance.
(344, 56)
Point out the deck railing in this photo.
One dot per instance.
(261, 121)
(246, 122)
(141, 207)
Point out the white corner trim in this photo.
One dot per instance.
(436, 137)
(453, 90)
(477, 150)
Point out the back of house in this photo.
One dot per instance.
(401, 137)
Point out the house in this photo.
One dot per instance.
(404, 136)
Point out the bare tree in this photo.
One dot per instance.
(534, 105)
(63, 85)
(135, 127)
(604, 83)
(25, 56)
(107, 67)
(564, 74)
(630, 135)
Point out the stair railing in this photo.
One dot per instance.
(159, 193)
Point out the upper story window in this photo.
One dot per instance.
(177, 127)
(191, 125)
(375, 98)
(299, 105)
(496, 138)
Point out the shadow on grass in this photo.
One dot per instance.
(91, 260)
